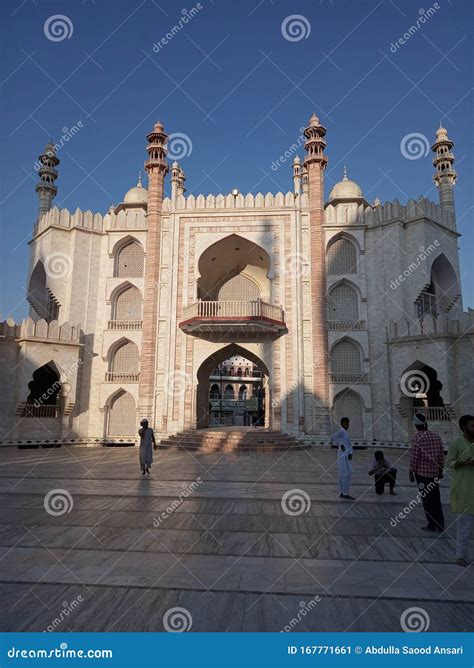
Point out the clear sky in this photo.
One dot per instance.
(240, 87)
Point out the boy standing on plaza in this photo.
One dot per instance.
(344, 458)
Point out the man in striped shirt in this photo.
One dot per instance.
(426, 467)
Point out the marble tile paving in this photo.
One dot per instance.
(209, 533)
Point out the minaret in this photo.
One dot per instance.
(315, 163)
(445, 175)
(297, 175)
(181, 182)
(175, 178)
(156, 167)
(46, 188)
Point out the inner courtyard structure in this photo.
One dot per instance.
(280, 311)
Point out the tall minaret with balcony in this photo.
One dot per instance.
(445, 175)
(315, 164)
(48, 174)
(156, 167)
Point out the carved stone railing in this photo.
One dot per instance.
(346, 325)
(233, 310)
(122, 377)
(436, 413)
(348, 377)
(125, 324)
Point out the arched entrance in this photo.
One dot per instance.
(220, 399)
(421, 393)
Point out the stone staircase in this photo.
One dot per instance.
(245, 440)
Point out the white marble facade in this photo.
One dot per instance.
(398, 337)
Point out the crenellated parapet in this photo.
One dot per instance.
(40, 330)
(125, 219)
(413, 209)
(230, 201)
(64, 219)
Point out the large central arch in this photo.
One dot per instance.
(205, 370)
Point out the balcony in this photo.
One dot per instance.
(348, 377)
(125, 324)
(346, 325)
(121, 377)
(242, 319)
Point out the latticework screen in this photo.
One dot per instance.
(130, 260)
(343, 304)
(239, 289)
(126, 359)
(128, 305)
(122, 416)
(342, 258)
(345, 358)
(229, 392)
(349, 404)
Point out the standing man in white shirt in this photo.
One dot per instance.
(344, 458)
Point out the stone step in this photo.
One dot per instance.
(228, 441)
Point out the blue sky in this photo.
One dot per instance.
(240, 90)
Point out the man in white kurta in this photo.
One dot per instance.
(344, 458)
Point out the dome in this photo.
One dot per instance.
(441, 133)
(345, 189)
(136, 195)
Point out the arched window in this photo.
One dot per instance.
(129, 260)
(343, 304)
(229, 392)
(349, 404)
(342, 258)
(214, 393)
(124, 363)
(345, 359)
(122, 417)
(40, 296)
(128, 305)
(239, 288)
(243, 392)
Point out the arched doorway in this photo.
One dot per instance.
(222, 397)
(349, 404)
(121, 415)
(43, 392)
(421, 392)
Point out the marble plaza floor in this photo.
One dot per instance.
(210, 535)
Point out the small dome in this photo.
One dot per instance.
(136, 195)
(441, 133)
(345, 189)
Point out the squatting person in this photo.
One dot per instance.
(383, 472)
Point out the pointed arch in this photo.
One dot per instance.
(342, 255)
(129, 258)
(445, 282)
(45, 386)
(343, 302)
(121, 414)
(126, 302)
(40, 296)
(349, 403)
(345, 358)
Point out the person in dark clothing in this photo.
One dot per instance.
(384, 473)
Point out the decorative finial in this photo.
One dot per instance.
(344, 178)
(139, 184)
